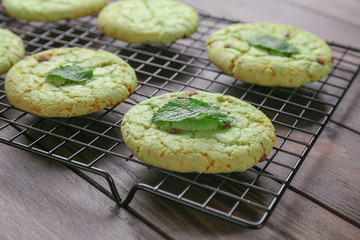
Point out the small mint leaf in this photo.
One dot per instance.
(190, 114)
(272, 43)
(69, 74)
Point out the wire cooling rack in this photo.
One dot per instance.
(92, 145)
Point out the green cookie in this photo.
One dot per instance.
(11, 49)
(238, 146)
(32, 84)
(238, 51)
(156, 21)
(51, 10)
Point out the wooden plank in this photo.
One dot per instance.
(294, 218)
(41, 199)
(330, 173)
(343, 10)
(303, 219)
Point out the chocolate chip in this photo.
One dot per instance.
(43, 58)
(228, 125)
(320, 60)
(181, 97)
(229, 45)
(287, 35)
(185, 35)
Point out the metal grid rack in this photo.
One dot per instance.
(298, 114)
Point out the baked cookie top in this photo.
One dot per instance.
(237, 146)
(28, 86)
(51, 10)
(156, 21)
(11, 49)
(259, 53)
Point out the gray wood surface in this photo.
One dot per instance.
(334, 20)
(41, 199)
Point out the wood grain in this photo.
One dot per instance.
(41, 199)
(330, 173)
(345, 10)
(294, 218)
(303, 219)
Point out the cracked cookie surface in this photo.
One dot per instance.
(156, 21)
(11, 49)
(229, 50)
(51, 10)
(248, 141)
(26, 87)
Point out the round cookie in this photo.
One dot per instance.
(51, 10)
(156, 21)
(11, 49)
(247, 141)
(230, 51)
(27, 88)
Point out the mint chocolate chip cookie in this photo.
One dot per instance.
(155, 21)
(66, 82)
(51, 10)
(11, 49)
(270, 54)
(198, 132)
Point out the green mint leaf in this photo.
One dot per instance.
(69, 74)
(190, 114)
(272, 43)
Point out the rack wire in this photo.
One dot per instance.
(92, 145)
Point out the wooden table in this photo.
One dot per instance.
(42, 199)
